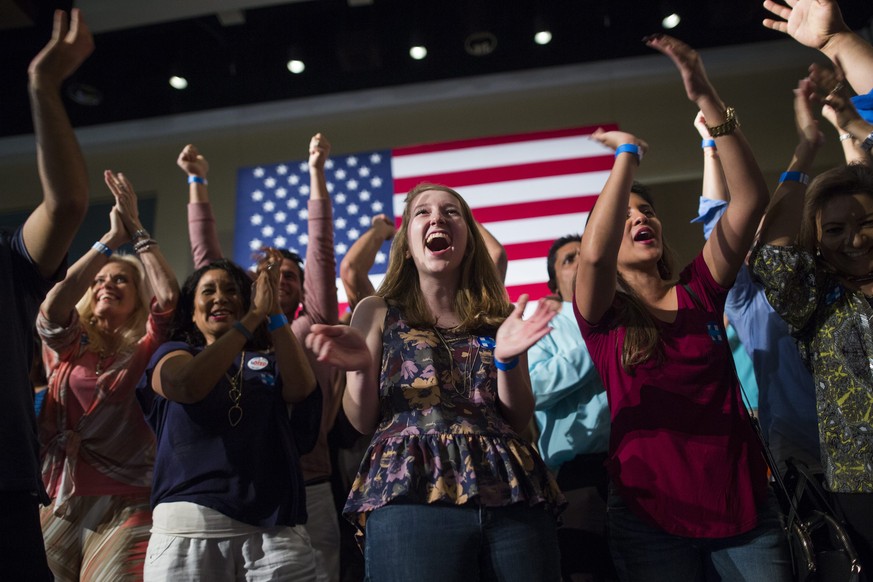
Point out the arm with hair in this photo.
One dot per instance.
(360, 258)
(782, 223)
(356, 348)
(495, 251)
(597, 265)
(50, 228)
(202, 231)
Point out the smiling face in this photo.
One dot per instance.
(437, 234)
(114, 291)
(217, 304)
(641, 243)
(845, 234)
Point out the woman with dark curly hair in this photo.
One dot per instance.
(228, 496)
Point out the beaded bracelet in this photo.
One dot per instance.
(794, 177)
(197, 180)
(277, 321)
(506, 366)
(102, 248)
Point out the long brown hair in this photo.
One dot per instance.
(480, 297)
(642, 340)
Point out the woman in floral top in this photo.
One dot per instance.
(437, 367)
(821, 283)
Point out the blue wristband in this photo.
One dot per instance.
(794, 177)
(102, 248)
(277, 321)
(629, 148)
(237, 325)
(197, 180)
(506, 366)
(707, 143)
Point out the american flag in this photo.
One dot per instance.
(526, 189)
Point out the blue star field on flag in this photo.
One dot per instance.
(271, 207)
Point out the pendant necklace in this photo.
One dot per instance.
(467, 372)
(235, 412)
(101, 359)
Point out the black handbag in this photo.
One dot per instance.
(821, 549)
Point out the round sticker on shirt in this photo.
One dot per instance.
(258, 363)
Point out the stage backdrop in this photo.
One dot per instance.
(526, 189)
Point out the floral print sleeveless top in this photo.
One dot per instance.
(441, 437)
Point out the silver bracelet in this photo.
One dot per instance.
(845, 136)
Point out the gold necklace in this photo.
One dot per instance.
(235, 412)
(467, 372)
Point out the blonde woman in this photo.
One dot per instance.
(100, 326)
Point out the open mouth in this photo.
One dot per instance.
(437, 242)
(644, 235)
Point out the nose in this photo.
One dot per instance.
(858, 239)
(638, 217)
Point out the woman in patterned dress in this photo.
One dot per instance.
(437, 367)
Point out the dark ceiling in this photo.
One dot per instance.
(347, 47)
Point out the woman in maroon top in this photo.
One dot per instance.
(689, 490)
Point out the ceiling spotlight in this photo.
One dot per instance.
(418, 52)
(296, 66)
(178, 82)
(543, 37)
(671, 21)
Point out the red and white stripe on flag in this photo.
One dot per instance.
(526, 189)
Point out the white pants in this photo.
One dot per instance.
(282, 553)
(323, 527)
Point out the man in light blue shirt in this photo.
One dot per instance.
(572, 417)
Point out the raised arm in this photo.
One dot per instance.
(819, 24)
(782, 223)
(495, 251)
(319, 283)
(597, 265)
(360, 258)
(514, 336)
(50, 228)
(714, 186)
(726, 249)
(61, 300)
(202, 231)
(158, 272)
(356, 348)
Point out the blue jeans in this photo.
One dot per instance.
(642, 551)
(467, 543)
